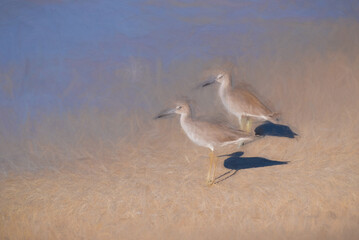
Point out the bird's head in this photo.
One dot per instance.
(222, 78)
(182, 108)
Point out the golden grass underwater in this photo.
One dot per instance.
(121, 175)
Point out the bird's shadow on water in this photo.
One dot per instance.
(272, 129)
(235, 163)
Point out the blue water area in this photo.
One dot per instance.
(45, 43)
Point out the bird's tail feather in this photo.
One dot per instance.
(241, 141)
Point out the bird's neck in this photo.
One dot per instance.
(185, 117)
(225, 86)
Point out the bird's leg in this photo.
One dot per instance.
(242, 122)
(214, 167)
(249, 124)
(210, 168)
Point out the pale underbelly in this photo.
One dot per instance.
(239, 112)
(197, 139)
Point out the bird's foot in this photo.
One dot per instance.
(210, 182)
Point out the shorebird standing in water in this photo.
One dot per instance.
(241, 102)
(207, 134)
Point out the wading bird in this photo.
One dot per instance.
(241, 102)
(207, 134)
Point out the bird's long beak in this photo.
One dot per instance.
(208, 82)
(165, 113)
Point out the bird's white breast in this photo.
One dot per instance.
(229, 104)
(194, 135)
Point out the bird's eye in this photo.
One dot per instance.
(178, 107)
(220, 76)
